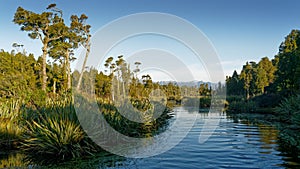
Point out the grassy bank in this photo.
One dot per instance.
(52, 133)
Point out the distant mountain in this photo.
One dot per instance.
(189, 84)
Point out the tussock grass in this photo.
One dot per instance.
(56, 134)
(51, 132)
(10, 128)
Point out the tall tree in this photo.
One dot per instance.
(287, 74)
(246, 77)
(269, 67)
(18, 46)
(137, 69)
(291, 42)
(264, 74)
(261, 79)
(79, 26)
(62, 49)
(234, 85)
(47, 27)
(109, 64)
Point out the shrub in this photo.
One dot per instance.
(242, 107)
(56, 135)
(148, 127)
(234, 98)
(267, 100)
(289, 110)
(289, 113)
(289, 141)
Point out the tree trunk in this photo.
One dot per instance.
(44, 66)
(248, 95)
(124, 92)
(118, 85)
(54, 86)
(68, 70)
(112, 89)
(88, 46)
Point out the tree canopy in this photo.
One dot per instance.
(280, 75)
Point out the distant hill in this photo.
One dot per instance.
(189, 84)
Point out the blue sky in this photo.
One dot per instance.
(240, 30)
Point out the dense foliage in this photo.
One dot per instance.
(273, 87)
(280, 76)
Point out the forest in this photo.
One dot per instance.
(37, 114)
(271, 87)
(37, 111)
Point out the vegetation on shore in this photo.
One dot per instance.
(37, 110)
(272, 88)
(37, 114)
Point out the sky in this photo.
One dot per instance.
(239, 30)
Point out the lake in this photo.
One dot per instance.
(233, 144)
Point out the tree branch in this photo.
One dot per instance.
(55, 38)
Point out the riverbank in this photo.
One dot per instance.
(53, 134)
(224, 149)
(289, 133)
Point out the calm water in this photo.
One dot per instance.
(232, 145)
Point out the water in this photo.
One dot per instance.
(234, 144)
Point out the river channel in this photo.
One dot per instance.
(233, 144)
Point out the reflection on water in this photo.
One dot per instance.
(268, 136)
(234, 144)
